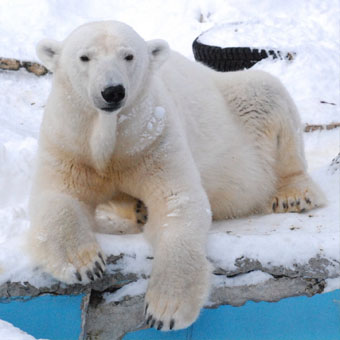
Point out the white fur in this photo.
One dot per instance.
(190, 142)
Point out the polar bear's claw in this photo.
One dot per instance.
(78, 276)
(153, 321)
(102, 258)
(89, 275)
(99, 267)
(172, 323)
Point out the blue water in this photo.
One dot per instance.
(47, 316)
(298, 318)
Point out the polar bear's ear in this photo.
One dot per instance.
(159, 51)
(48, 51)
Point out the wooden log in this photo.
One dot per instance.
(36, 68)
(319, 127)
(11, 64)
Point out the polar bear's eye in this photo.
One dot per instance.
(129, 57)
(84, 58)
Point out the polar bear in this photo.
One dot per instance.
(129, 119)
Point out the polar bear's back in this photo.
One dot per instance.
(218, 141)
(197, 102)
(179, 73)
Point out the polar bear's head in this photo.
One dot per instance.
(106, 63)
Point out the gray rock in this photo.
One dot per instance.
(110, 321)
(271, 291)
(317, 267)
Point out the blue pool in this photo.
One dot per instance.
(298, 318)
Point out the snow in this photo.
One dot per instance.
(9, 332)
(332, 284)
(309, 28)
(137, 253)
(131, 289)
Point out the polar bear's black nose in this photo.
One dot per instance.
(114, 94)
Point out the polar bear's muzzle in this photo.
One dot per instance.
(113, 96)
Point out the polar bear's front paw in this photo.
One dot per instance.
(71, 263)
(167, 312)
(175, 304)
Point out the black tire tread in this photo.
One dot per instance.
(232, 58)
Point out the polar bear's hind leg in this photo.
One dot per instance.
(295, 189)
(270, 117)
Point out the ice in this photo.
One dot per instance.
(332, 284)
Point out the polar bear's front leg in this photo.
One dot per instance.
(178, 222)
(61, 240)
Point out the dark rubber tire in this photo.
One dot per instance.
(232, 58)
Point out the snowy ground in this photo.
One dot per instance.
(308, 27)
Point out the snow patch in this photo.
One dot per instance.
(332, 284)
(9, 332)
(248, 279)
(131, 289)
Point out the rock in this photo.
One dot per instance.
(109, 321)
(335, 165)
(271, 290)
